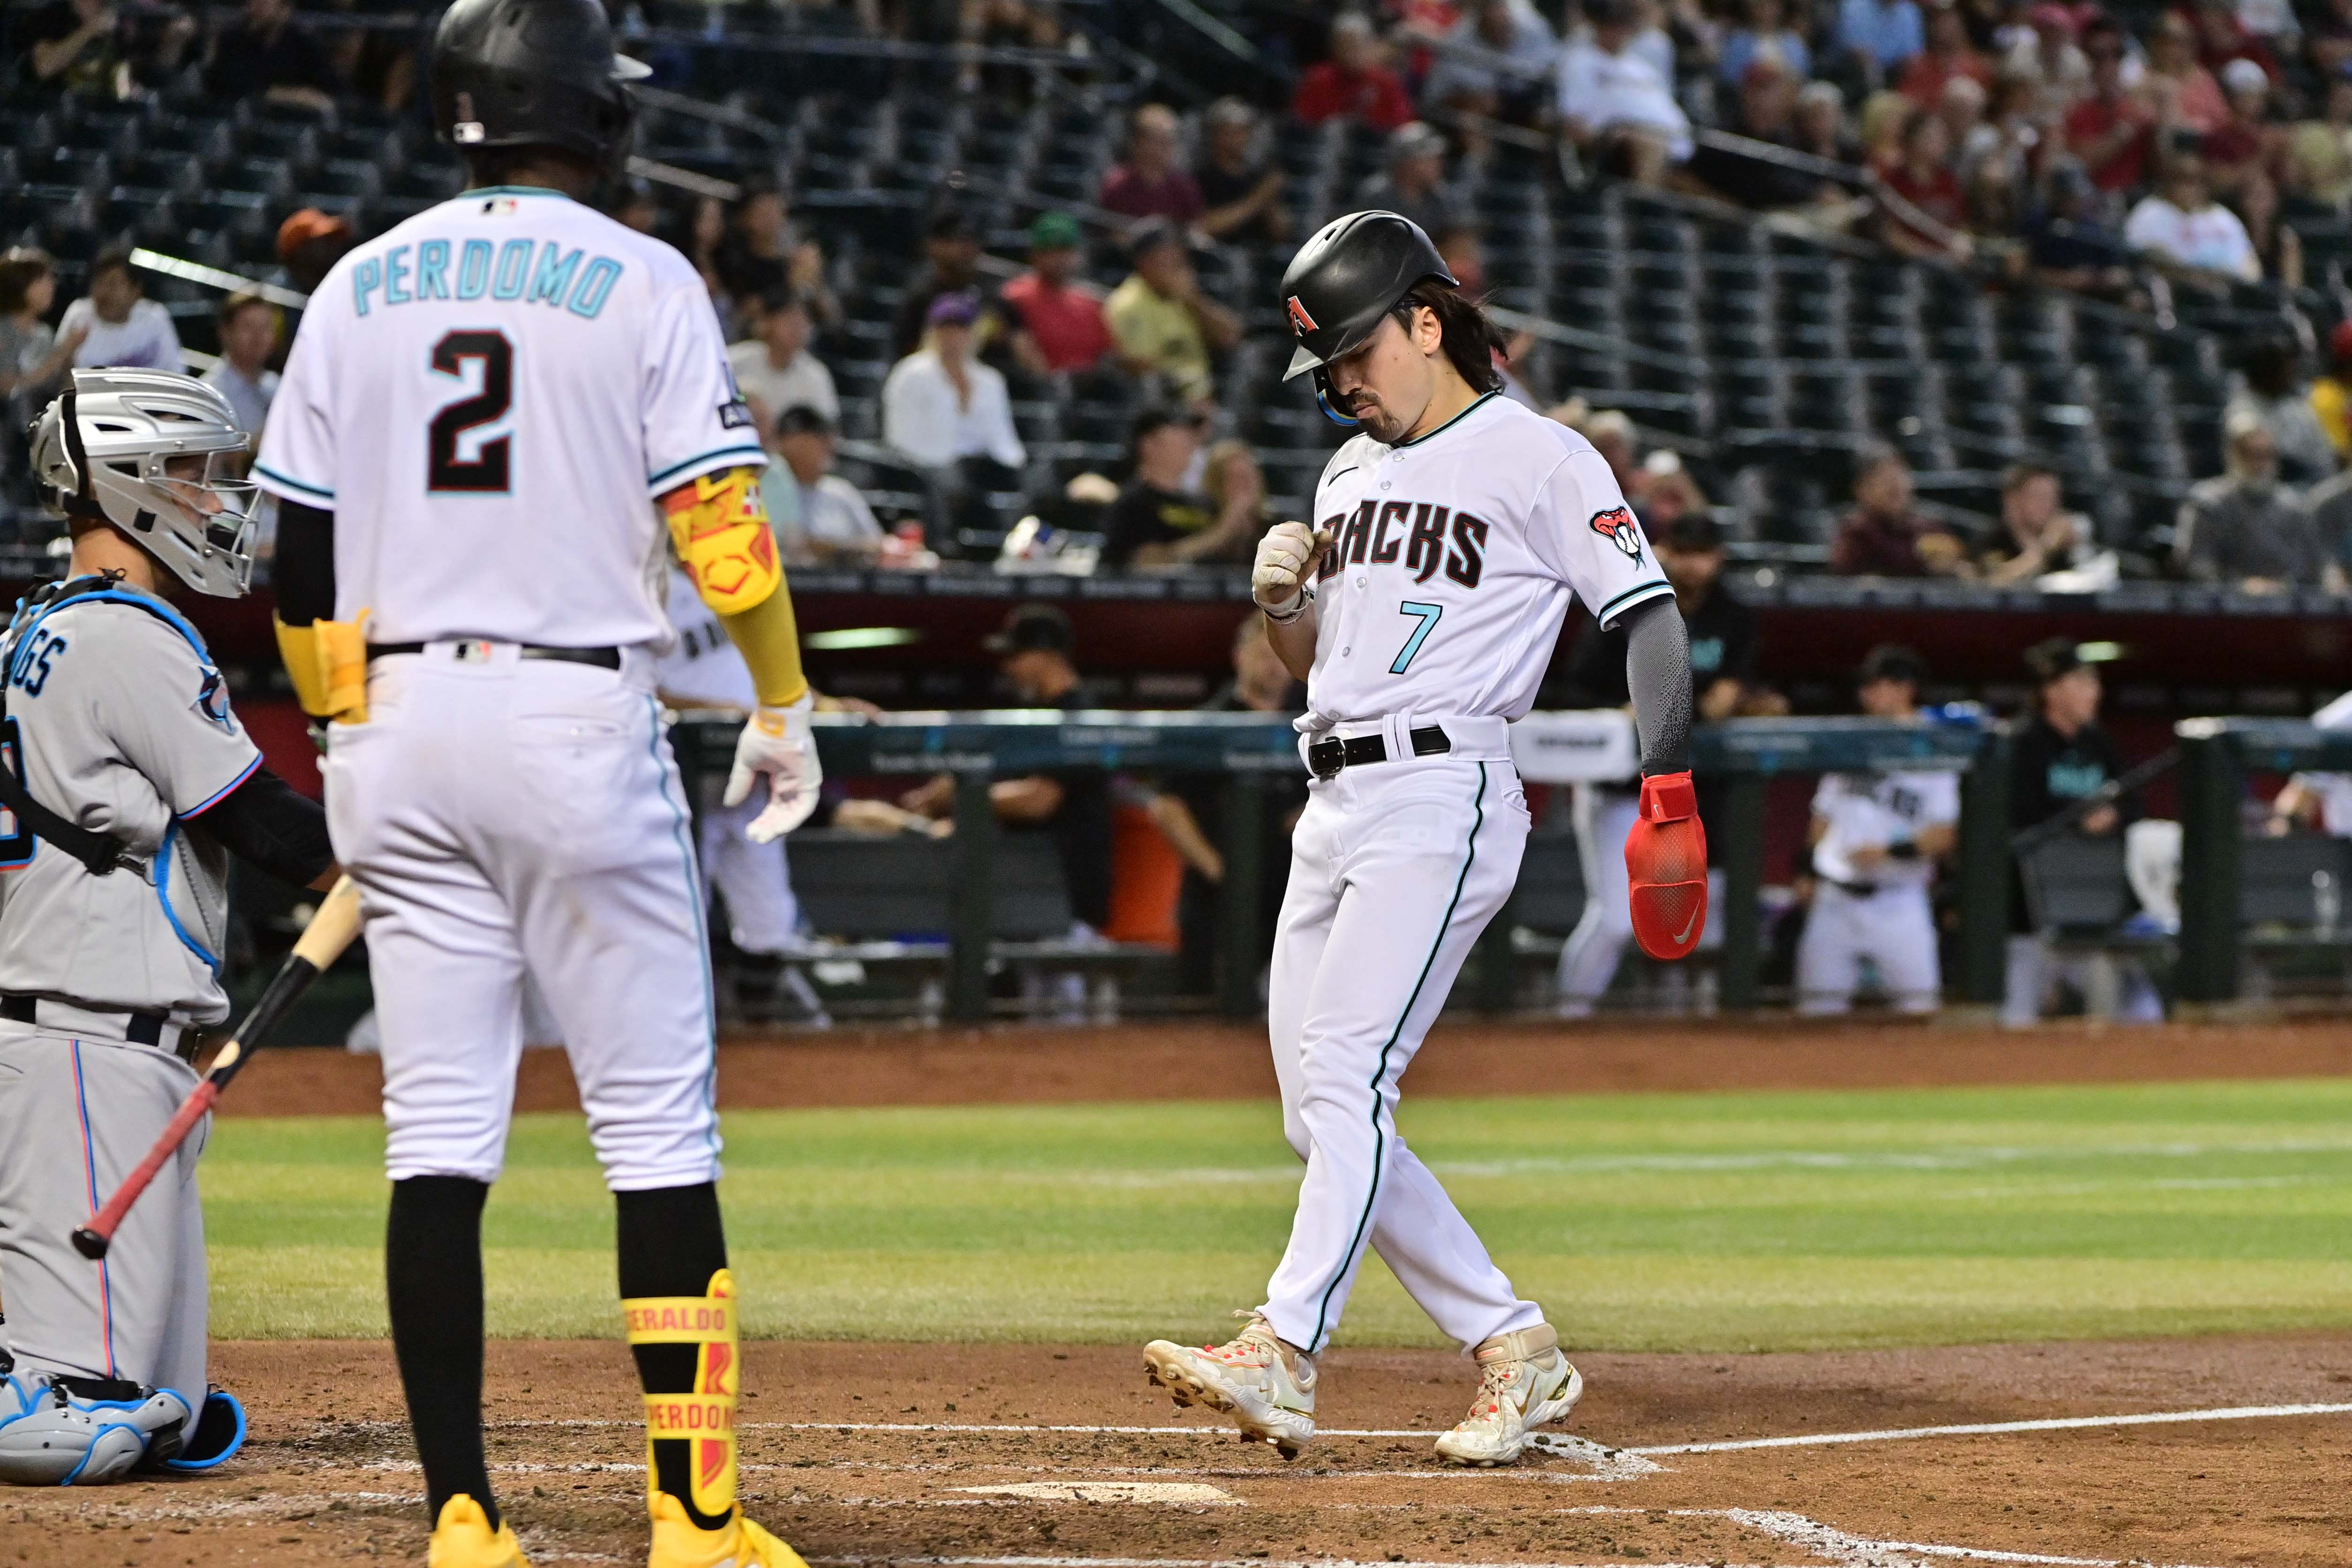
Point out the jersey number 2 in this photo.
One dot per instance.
(488, 469)
(1427, 616)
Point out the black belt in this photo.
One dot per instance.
(141, 1028)
(1856, 889)
(602, 658)
(1327, 757)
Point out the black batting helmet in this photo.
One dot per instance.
(532, 73)
(1342, 281)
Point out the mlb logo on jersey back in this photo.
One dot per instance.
(1617, 526)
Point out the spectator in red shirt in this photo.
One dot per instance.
(1354, 82)
(1947, 56)
(1883, 535)
(1923, 179)
(2109, 129)
(1057, 319)
(1149, 182)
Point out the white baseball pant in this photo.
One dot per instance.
(504, 815)
(1395, 869)
(1894, 928)
(1587, 961)
(756, 881)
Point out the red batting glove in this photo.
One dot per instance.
(1665, 862)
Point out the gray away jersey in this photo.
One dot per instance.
(124, 728)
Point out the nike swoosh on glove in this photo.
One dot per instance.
(1665, 862)
(776, 743)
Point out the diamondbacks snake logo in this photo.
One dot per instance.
(1301, 323)
(1617, 526)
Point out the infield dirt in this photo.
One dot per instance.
(329, 1475)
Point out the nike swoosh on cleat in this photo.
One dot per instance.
(1684, 935)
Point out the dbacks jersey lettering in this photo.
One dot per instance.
(488, 397)
(1452, 560)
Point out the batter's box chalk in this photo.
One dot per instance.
(1192, 1493)
(1608, 1464)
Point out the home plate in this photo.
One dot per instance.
(1193, 1492)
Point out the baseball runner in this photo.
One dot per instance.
(1876, 839)
(477, 407)
(128, 784)
(703, 671)
(1421, 609)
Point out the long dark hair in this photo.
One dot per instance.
(1469, 338)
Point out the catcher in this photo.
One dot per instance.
(127, 783)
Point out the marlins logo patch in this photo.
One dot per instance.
(1617, 526)
(1300, 322)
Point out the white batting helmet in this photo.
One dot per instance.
(154, 453)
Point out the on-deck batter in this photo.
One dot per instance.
(119, 724)
(488, 414)
(1450, 533)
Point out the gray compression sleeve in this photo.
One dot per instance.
(1657, 674)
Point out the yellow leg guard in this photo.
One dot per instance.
(704, 1418)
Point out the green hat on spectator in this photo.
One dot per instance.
(1054, 231)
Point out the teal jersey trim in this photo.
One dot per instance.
(1380, 1134)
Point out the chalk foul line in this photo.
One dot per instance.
(1994, 1428)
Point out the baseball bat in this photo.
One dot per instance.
(321, 942)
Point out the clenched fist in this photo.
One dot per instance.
(1286, 558)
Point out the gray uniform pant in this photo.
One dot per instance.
(75, 1115)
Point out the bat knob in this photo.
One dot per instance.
(90, 1244)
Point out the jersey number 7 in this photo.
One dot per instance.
(486, 471)
(1427, 615)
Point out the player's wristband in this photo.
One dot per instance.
(1297, 607)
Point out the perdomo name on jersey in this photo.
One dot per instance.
(505, 271)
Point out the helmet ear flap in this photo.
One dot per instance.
(1323, 401)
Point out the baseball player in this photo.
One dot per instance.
(1877, 838)
(1421, 609)
(704, 671)
(128, 782)
(488, 414)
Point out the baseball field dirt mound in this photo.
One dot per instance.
(1216, 1061)
(1029, 1456)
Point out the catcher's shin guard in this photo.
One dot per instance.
(704, 1418)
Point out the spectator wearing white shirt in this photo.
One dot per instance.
(124, 327)
(248, 331)
(1613, 104)
(951, 415)
(833, 523)
(774, 367)
(2184, 229)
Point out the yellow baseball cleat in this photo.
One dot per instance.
(738, 1543)
(463, 1539)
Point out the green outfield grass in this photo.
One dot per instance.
(1713, 1222)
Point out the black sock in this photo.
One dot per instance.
(671, 1243)
(433, 1267)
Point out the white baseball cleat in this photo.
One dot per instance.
(1269, 1398)
(1526, 1382)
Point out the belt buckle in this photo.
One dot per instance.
(472, 651)
(1326, 757)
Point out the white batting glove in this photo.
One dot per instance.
(776, 743)
(1285, 557)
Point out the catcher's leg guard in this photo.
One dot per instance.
(80, 1431)
(215, 1434)
(703, 1418)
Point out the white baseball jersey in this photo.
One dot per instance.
(702, 665)
(1454, 556)
(485, 397)
(1875, 811)
(2333, 790)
